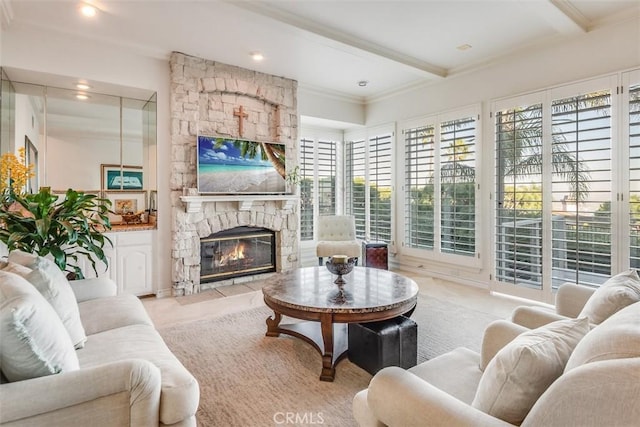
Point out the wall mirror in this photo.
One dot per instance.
(100, 139)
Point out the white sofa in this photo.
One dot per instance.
(598, 382)
(124, 374)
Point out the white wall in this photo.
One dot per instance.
(326, 106)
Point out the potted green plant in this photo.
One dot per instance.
(45, 224)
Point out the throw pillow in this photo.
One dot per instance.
(522, 370)
(13, 267)
(617, 337)
(616, 293)
(54, 286)
(33, 341)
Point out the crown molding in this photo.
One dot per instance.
(331, 94)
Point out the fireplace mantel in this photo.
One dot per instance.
(194, 203)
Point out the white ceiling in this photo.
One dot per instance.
(329, 45)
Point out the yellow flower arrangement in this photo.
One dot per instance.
(14, 172)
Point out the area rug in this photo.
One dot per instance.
(247, 379)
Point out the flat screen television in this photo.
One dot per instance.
(240, 166)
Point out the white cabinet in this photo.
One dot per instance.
(134, 262)
(131, 261)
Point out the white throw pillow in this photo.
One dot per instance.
(617, 337)
(521, 371)
(47, 278)
(616, 293)
(33, 341)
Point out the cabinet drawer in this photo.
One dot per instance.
(129, 238)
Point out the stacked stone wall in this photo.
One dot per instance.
(204, 96)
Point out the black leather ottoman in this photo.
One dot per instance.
(376, 345)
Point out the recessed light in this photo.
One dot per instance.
(363, 83)
(82, 96)
(88, 10)
(257, 56)
(464, 47)
(83, 86)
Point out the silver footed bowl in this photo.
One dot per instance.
(341, 268)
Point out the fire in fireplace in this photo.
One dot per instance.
(237, 252)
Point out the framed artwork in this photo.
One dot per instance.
(116, 177)
(125, 202)
(31, 157)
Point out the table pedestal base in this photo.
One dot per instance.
(329, 339)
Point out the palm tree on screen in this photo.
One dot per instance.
(275, 153)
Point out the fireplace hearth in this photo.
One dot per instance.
(237, 252)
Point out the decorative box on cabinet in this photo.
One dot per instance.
(375, 254)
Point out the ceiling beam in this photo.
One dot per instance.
(561, 15)
(417, 66)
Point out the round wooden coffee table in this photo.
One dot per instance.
(309, 294)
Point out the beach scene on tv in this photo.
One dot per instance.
(228, 165)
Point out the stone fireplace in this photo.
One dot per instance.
(204, 96)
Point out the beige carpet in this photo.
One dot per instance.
(247, 379)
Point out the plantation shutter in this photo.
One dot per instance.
(634, 175)
(355, 173)
(457, 186)
(518, 211)
(419, 187)
(380, 187)
(326, 177)
(581, 188)
(306, 189)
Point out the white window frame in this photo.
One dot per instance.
(436, 254)
(545, 97)
(367, 135)
(315, 135)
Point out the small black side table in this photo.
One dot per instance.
(375, 255)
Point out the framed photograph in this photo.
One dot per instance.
(116, 177)
(125, 202)
(31, 158)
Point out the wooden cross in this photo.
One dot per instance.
(241, 115)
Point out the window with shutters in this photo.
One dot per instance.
(519, 195)
(634, 175)
(356, 183)
(369, 185)
(318, 167)
(419, 206)
(581, 188)
(307, 193)
(440, 188)
(380, 187)
(554, 200)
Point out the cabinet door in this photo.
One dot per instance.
(134, 269)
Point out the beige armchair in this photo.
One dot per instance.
(337, 236)
(598, 385)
